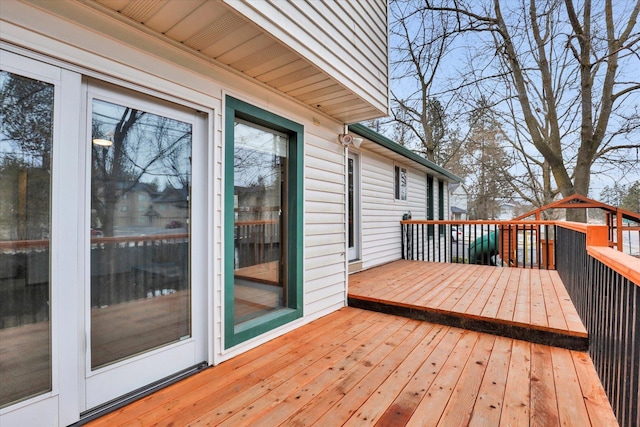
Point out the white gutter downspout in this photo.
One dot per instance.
(346, 219)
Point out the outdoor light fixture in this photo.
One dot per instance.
(347, 139)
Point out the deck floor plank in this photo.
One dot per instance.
(426, 285)
(598, 406)
(571, 316)
(399, 411)
(411, 349)
(437, 396)
(356, 367)
(555, 317)
(507, 310)
(445, 290)
(301, 394)
(479, 302)
(516, 409)
(467, 287)
(482, 277)
(538, 309)
(171, 399)
(395, 280)
(522, 313)
(460, 406)
(492, 307)
(214, 410)
(544, 401)
(569, 393)
(410, 370)
(380, 358)
(488, 406)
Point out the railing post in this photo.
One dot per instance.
(402, 226)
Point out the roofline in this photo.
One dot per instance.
(382, 140)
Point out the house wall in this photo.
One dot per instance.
(381, 212)
(324, 225)
(343, 38)
(154, 68)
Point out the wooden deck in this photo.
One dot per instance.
(415, 366)
(357, 367)
(528, 304)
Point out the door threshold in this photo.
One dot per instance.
(131, 397)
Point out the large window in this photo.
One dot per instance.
(263, 216)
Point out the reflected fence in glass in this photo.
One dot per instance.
(140, 295)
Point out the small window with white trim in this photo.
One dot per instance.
(400, 183)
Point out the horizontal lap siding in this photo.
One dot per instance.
(381, 213)
(344, 39)
(324, 230)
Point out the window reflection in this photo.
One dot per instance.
(260, 157)
(26, 113)
(140, 215)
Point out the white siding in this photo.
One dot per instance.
(381, 212)
(325, 273)
(344, 39)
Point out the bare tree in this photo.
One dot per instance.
(422, 41)
(488, 177)
(561, 66)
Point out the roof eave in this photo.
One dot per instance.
(383, 141)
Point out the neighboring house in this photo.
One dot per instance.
(389, 181)
(459, 199)
(226, 116)
(508, 209)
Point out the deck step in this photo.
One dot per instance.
(526, 332)
(526, 304)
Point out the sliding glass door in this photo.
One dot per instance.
(142, 301)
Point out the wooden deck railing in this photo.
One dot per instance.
(604, 286)
(526, 244)
(624, 231)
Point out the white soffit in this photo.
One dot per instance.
(213, 30)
